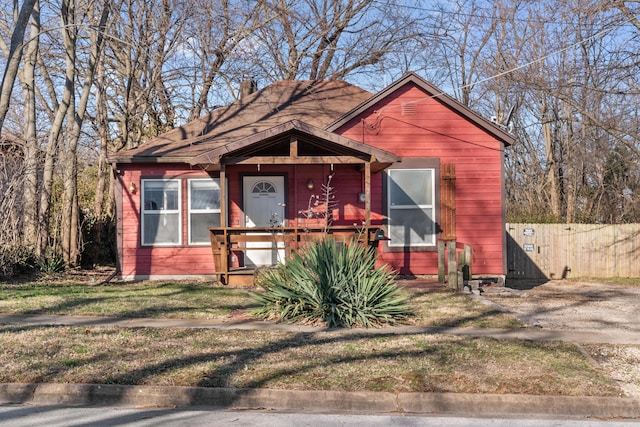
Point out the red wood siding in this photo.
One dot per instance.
(143, 261)
(139, 261)
(435, 131)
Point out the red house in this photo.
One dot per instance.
(409, 160)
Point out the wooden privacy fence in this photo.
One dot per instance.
(556, 251)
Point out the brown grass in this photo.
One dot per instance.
(376, 361)
(432, 306)
(324, 360)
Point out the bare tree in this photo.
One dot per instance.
(142, 42)
(330, 40)
(70, 209)
(578, 109)
(215, 37)
(31, 144)
(14, 55)
(466, 31)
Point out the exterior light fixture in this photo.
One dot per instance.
(310, 184)
(132, 187)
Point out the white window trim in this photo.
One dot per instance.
(197, 211)
(144, 211)
(431, 206)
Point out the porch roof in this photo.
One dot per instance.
(295, 142)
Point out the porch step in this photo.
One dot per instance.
(238, 277)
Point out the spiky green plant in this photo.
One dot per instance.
(337, 284)
(51, 264)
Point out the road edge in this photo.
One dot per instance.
(317, 400)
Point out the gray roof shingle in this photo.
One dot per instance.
(317, 103)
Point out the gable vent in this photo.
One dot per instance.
(408, 109)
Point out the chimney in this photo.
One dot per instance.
(247, 87)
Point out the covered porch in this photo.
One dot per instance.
(229, 245)
(290, 152)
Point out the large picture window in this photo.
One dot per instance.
(161, 212)
(204, 209)
(411, 207)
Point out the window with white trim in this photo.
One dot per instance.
(160, 214)
(411, 207)
(204, 209)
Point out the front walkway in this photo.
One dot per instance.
(534, 334)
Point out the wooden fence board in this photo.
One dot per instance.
(556, 251)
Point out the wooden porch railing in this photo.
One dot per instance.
(229, 245)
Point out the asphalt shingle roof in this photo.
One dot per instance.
(317, 103)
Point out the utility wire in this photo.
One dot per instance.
(514, 69)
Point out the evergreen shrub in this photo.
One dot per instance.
(335, 284)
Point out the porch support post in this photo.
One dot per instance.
(367, 195)
(453, 265)
(223, 195)
(442, 266)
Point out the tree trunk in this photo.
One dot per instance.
(54, 138)
(572, 185)
(103, 166)
(552, 179)
(70, 183)
(31, 149)
(70, 209)
(14, 58)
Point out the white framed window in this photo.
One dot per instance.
(161, 213)
(204, 209)
(411, 207)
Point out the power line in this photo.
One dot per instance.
(446, 135)
(514, 69)
(444, 11)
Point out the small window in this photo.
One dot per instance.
(204, 209)
(161, 212)
(263, 187)
(411, 207)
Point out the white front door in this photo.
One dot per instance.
(264, 207)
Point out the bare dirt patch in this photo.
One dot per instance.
(582, 305)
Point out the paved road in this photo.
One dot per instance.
(29, 416)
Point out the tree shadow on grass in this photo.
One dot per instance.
(83, 300)
(242, 359)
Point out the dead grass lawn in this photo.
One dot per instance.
(433, 306)
(321, 361)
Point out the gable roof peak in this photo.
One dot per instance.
(432, 92)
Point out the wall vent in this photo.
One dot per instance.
(409, 108)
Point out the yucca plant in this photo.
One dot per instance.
(51, 264)
(331, 283)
